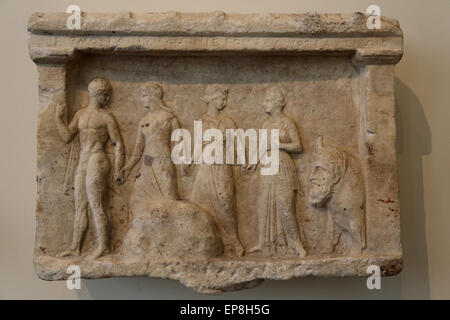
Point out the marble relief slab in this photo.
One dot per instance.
(138, 114)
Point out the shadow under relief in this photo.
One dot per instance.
(414, 141)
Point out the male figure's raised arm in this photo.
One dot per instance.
(67, 133)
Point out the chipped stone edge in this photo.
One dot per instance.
(219, 275)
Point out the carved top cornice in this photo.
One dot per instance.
(216, 32)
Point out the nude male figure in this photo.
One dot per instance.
(95, 126)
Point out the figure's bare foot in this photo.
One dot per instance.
(327, 250)
(301, 251)
(239, 250)
(69, 252)
(255, 249)
(234, 250)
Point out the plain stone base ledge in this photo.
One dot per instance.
(219, 274)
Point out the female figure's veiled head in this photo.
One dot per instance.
(275, 100)
(216, 96)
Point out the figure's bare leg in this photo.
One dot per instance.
(80, 222)
(96, 180)
(80, 226)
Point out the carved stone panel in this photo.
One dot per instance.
(216, 149)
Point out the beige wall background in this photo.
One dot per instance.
(423, 112)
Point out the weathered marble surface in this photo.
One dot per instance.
(326, 81)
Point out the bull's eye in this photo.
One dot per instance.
(319, 168)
